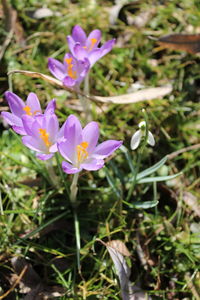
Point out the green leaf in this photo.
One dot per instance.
(142, 205)
(112, 183)
(128, 157)
(159, 178)
(152, 169)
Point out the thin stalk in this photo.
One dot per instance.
(1, 205)
(51, 172)
(155, 196)
(130, 192)
(73, 196)
(61, 173)
(84, 101)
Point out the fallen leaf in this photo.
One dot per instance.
(142, 95)
(129, 291)
(192, 202)
(187, 42)
(119, 246)
(12, 24)
(37, 289)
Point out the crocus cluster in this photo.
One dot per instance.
(41, 133)
(85, 51)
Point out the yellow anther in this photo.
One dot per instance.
(70, 70)
(68, 60)
(93, 42)
(27, 110)
(44, 136)
(82, 153)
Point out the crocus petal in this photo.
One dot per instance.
(50, 109)
(79, 35)
(31, 143)
(60, 135)
(150, 140)
(135, 140)
(53, 148)
(11, 119)
(93, 164)
(95, 34)
(43, 156)
(90, 135)
(33, 102)
(94, 55)
(73, 130)
(52, 126)
(27, 122)
(56, 68)
(15, 103)
(69, 169)
(19, 130)
(68, 81)
(80, 52)
(107, 47)
(71, 44)
(67, 150)
(106, 148)
(84, 66)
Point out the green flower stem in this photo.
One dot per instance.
(84, 101)
(73, 196)
(51, 173)
(130, 192)
(61, 173)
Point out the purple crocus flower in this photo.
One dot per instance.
(42, 134)
(18, 109)
(79, 147)
(71, 72)
(82, 46)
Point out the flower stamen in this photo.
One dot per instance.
(70, 70)
(93, 42)
(27, 110)
(44, 136)
(82, 153)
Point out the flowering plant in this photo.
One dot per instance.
(71, 72)
(42, 134)
(79, 147)
(18, 109)
(82, 46)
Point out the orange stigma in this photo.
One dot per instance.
(93, 42)
(82, 153)
(27, 110)
(44, 136)
(70, 70)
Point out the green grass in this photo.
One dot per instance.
(36, 221)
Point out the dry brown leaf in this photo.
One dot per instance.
(12, 23)
(37, 289)
(187, 42)
(142, 95)
(129, 291)
(192, 202)
(119, 246)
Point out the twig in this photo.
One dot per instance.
(16, 283)
(176, 153)
(143, 95)
(6, 43)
